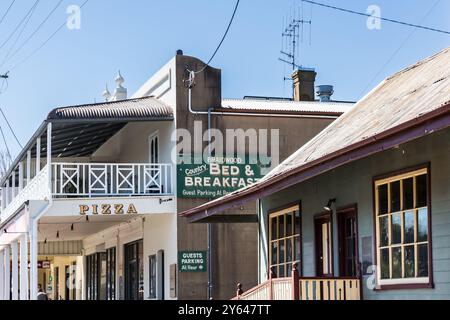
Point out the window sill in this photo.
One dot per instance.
(411, 286)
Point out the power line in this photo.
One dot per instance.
(34, 32)
(20, 33)
(18, 26)
(223, 38)
(381, 18)
(6, 143)
(398, 49)
(10, 128)
(7, 11)
(46, 41)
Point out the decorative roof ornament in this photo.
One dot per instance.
(120, 80)
(120, 93)
(106, 94)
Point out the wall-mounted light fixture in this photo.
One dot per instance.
(329, 205)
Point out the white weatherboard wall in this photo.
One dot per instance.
(160, 234)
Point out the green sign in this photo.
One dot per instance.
(217, 177)
(192, 261)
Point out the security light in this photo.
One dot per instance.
(329, 204)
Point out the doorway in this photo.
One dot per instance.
(348, 241)
(324, 245)
(134, 271)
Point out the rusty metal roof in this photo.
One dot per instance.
(137, 109)
(403, 100)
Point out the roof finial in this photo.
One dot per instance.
(106, 94)
(120, 80)
(120, 93)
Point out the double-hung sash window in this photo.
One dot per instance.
(285, 240)
(402, 226)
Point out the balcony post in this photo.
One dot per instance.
(15, 270)
(28, 166)
(20, 176)
(7, 273)
(33, 260)
(295, 282)
(38, 156)
(239, 291)
(24, 268)
(272, 275)
(3, 198)
(13, 191)
(2, 275)
(8, 194)
(49, 156)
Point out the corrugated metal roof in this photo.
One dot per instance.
(274, 105)
(142, 108)
(403, 98)
(407, 95)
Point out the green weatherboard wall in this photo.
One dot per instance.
(217, 177)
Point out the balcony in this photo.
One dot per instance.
(305, 289)
(75, 180)
(90, 180)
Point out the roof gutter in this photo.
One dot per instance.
(110, 120)
(428, 123)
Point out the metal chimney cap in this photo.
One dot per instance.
(179, 52)
(325, 92)
(325, 89)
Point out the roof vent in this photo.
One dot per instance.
(179, 52)
(324, 93)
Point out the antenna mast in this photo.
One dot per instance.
(292, 36)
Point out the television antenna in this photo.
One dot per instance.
(292, 37)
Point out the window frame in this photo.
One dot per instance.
(283, 210)
(154, 138)
(153, 279)
(403, 283)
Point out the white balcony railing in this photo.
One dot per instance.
(37, 189)
(95, 180)
(76, 180)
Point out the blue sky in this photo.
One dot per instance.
(139, 36)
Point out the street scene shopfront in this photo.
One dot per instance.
(91, 203)
(362, 210)
(77, 202)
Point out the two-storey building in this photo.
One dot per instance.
(90, 207)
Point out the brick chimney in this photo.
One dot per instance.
(304, 84)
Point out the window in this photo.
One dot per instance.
(96, 276)
(154, 148)
(152, 266)
(285, 240)
(402, 225)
